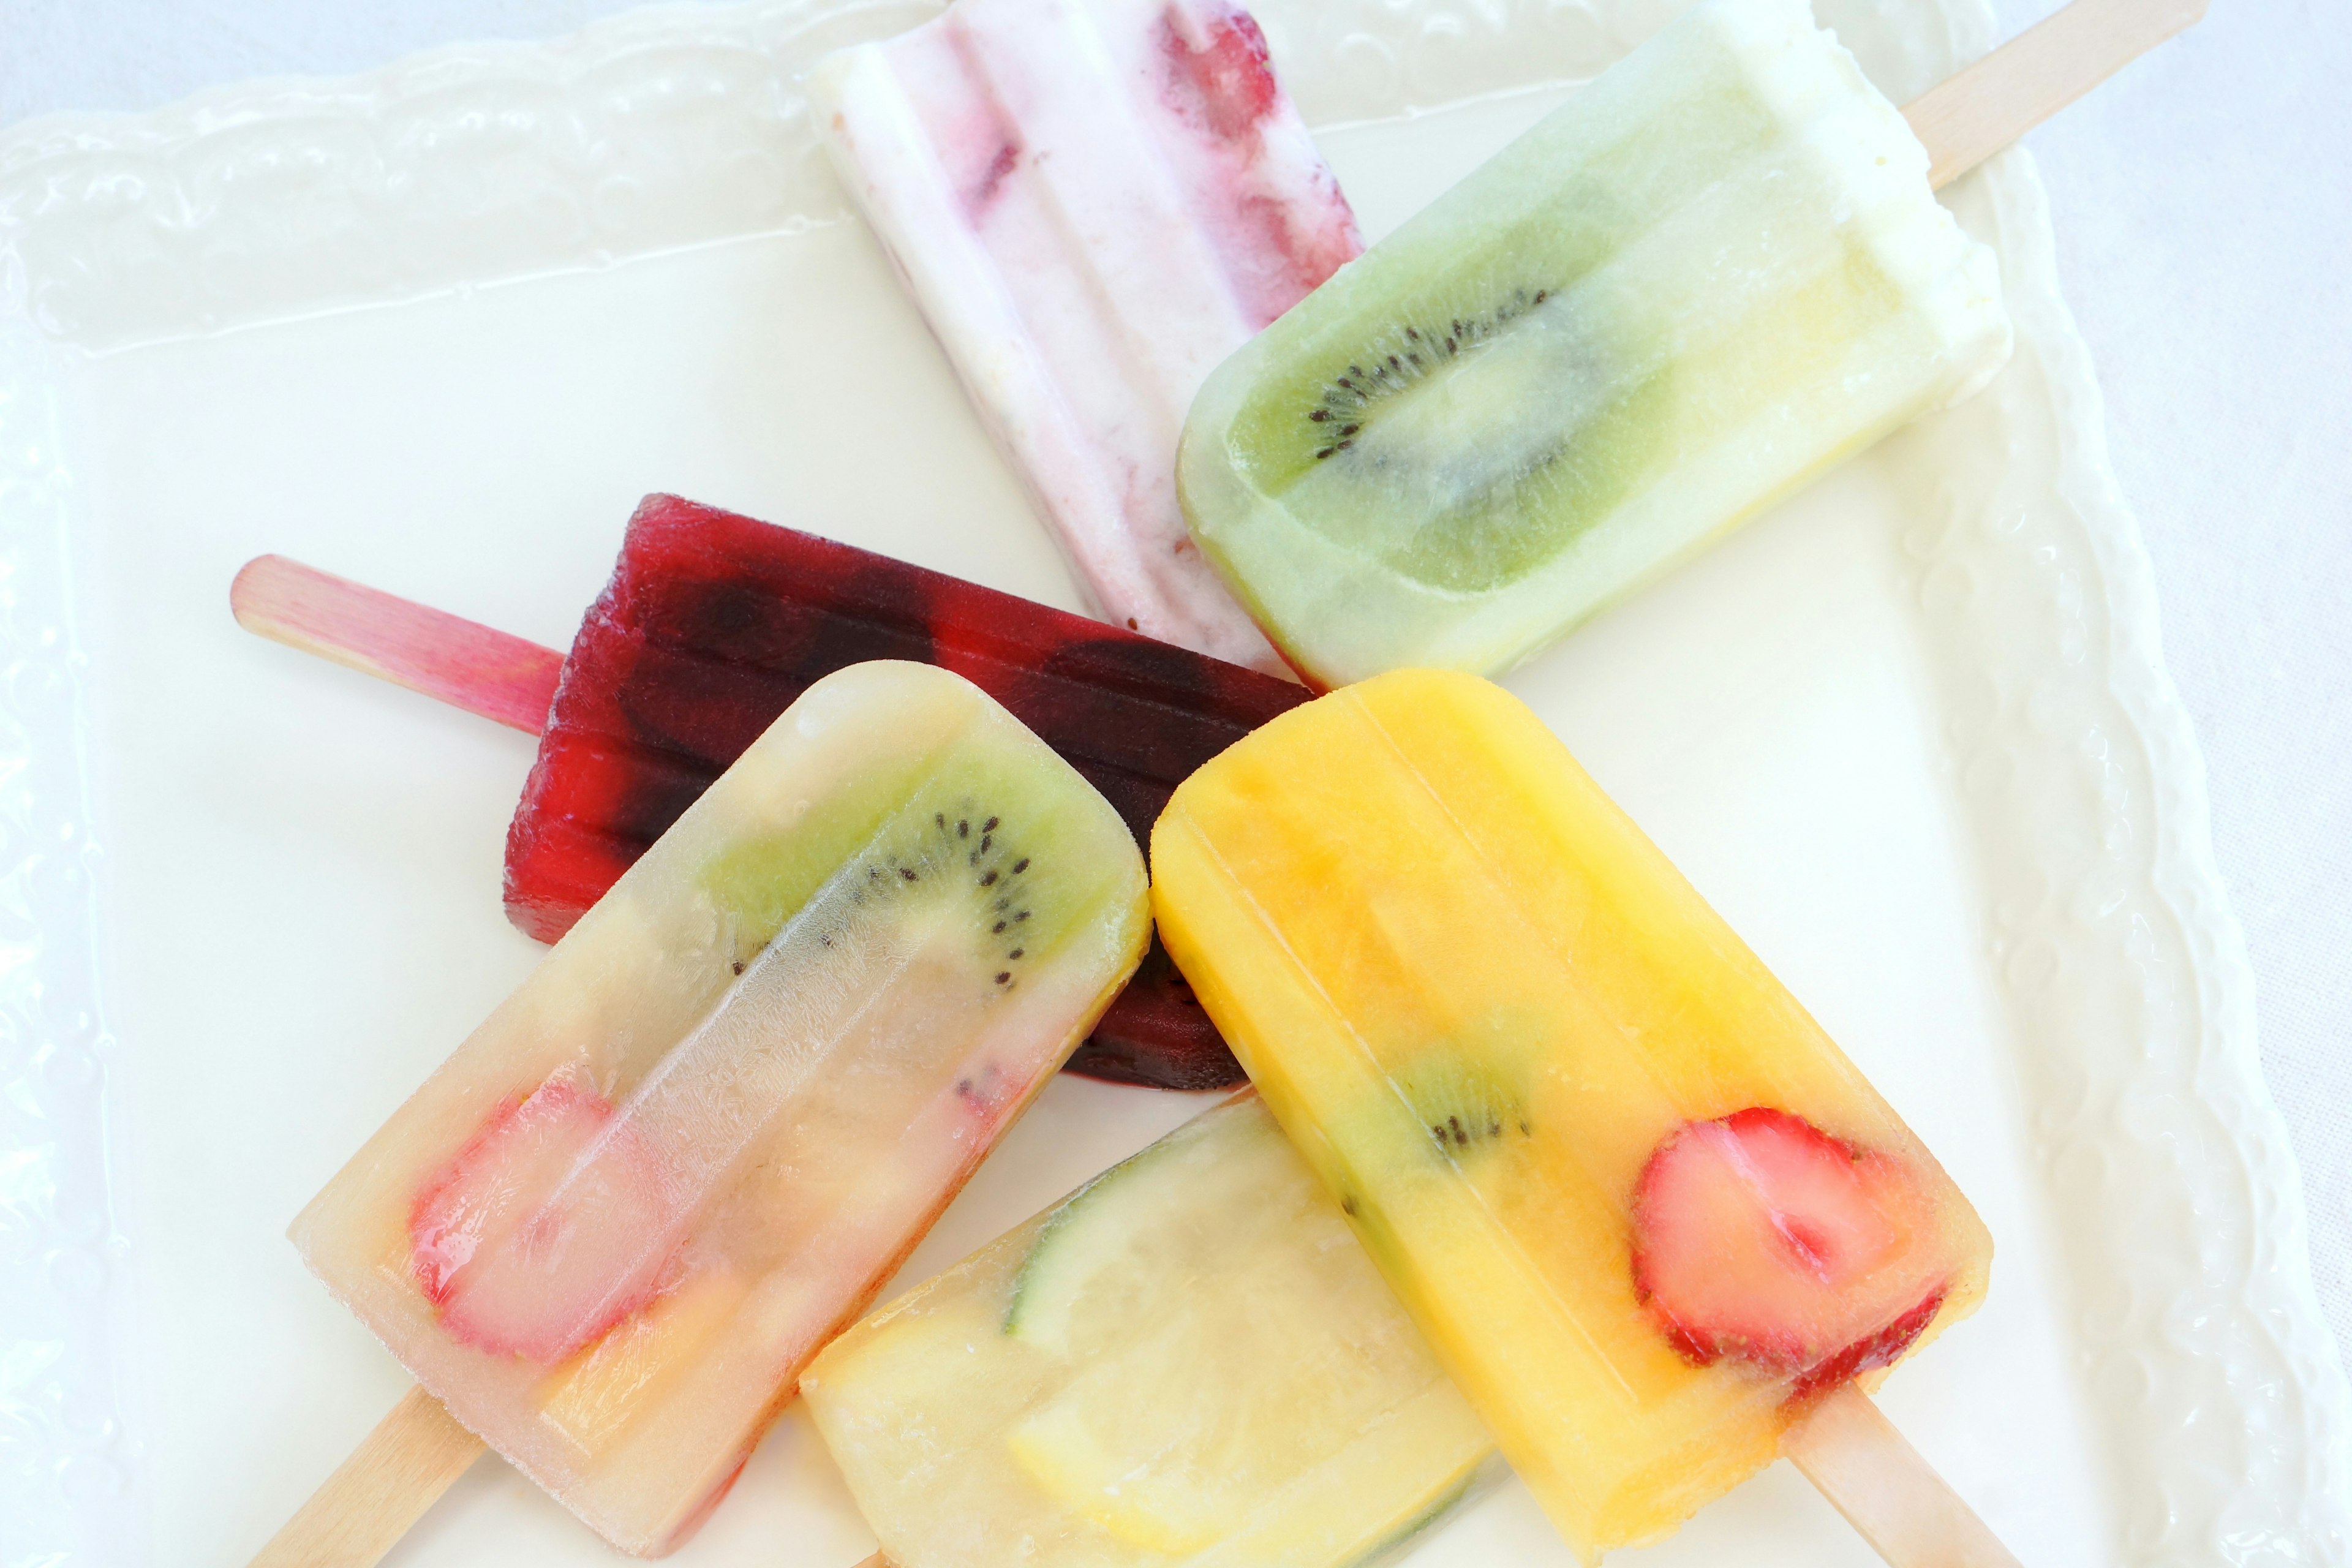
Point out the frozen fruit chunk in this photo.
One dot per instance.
(1166, 1434)
(544, 1230)
(1759, 1237)
(628, 1372)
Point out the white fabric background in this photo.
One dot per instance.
(2204, 218)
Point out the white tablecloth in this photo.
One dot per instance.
(2204, 217)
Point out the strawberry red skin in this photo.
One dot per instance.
(713, 624)
(1216, 76)
(1760, 1237)
(1885, 1348)
(457, 1221)
(1229, 85)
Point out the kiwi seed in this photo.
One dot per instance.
(1349, 396)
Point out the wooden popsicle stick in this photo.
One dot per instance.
(1971, 116)
(368, 1504)
(1892, 1497)
(458, 661)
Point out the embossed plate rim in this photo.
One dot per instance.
(2239, 1315)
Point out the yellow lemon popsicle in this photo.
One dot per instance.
(611, 1229)
(1710, 274)
(1643, 1209)
(1187, 1360)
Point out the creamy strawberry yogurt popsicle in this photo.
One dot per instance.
(1650, 1218)
(1094, 202)
(609, 1232)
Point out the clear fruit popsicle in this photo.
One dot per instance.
(1093, 201)
(713, 624)
(611, 1229)
(1188, 1360)
(1712, 274)
(1647, 1214)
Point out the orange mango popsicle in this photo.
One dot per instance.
(1644, 1210)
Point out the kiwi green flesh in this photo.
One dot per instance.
(1467, 400)
(761, 881)
(1462, 489)
(984, 830)
(1468, 1109)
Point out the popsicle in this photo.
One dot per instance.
(1093, 201)
(1712, 274)
(1188, 1360)
(711, 625)
(1649, 1217)
(608, 1233)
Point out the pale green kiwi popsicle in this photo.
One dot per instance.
(1709, 276)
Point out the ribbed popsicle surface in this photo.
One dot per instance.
(1497, 1020)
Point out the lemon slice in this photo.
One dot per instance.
(1369, 1501)
(1168, 1506)
(1205, 1411)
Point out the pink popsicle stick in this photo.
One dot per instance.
(446, 656)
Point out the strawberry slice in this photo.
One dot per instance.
(545, 1230)
(1222, 79)
(1762, 1238)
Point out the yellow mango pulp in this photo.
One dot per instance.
(1409, 909)
(594, 1396)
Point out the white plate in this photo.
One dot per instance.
(439, 328)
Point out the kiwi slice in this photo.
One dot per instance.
(1468, 1108)
(1476, 432)
(1461, 413)
(967, 836)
